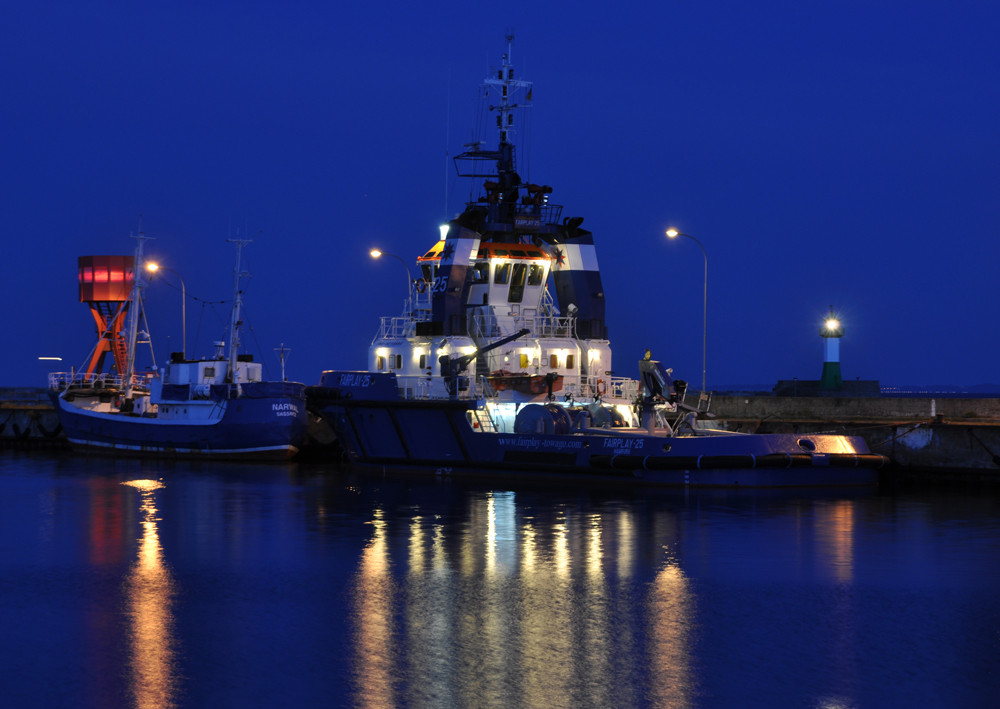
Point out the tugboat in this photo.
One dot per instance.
(501, 364)
(212, 408)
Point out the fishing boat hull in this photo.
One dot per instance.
(266, 422)
(379, 430)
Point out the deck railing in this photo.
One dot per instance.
(97, 380)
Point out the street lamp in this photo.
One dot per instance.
(376, 253)
(153, 267)
(673, 234)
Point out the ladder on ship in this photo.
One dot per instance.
(483, 421)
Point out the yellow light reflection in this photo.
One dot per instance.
(529, 546)
(545, 616)
(373, 628)
(491, 535)
(149, 590)
(560, 544)
(416, 566)
(835, 534)
(671, 617)
(598, 636)
(595, 557)
(626, 544)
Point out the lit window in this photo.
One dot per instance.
(554, 361)
(570, 362)
(524, 361)
(380, 363)
(516, 293)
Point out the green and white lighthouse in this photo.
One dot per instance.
(831, 332)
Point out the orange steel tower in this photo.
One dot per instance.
(105, 285)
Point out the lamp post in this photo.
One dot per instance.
(153, 267)
(376, 253)
(673, 234)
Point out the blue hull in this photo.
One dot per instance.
(379, 431)
(271, 427)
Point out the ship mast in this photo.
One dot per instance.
(508, 88)
(235, 322)
(135, 305)
(505, 95)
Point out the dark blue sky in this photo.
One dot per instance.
(841, 153)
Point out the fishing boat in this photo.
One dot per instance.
(217, 407)
(500, 363)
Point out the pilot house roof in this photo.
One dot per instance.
(491, 250)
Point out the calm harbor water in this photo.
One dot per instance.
(134, 583)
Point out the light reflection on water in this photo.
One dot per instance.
(155, 585)
(149, 590)
(507, 616)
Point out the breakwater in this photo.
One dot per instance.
(28, 419)
(930, 438)
(926, 438)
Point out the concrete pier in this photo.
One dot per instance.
(28, 420)
(948, 438)
(941, 438)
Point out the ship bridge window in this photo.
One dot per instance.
(395, 361)
(535, 275)
(516, 293)
(481, 273)
(501, 274)
(553, 361)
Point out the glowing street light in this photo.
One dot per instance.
(377, 253)
(673, 234)
(153, 267)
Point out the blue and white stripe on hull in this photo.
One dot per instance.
(279, 451)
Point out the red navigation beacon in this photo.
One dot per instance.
(105, 285)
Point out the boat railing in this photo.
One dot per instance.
(486, 326)
(396, 327)
(623, 388)
(603, 387)
(418, 386)
(58, 381)
(543, 213)
(483, 325)
(551, 325)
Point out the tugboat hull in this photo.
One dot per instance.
(378, 430)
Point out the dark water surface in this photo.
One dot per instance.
(131, 583)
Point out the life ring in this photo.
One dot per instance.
(421, 286)
(601, 388)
